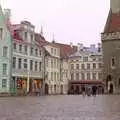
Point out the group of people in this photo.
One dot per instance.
(90, 90)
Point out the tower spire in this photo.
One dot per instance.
(53, 38)
(41, 31)
(115, 6)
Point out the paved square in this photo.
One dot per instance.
(68, 107)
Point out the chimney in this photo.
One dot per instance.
(99, 47)
(115, 6)
(7, 13)
(79, 47)
(92, 46)
(71, 44)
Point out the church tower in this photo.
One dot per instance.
(111, 46)
(115, 6)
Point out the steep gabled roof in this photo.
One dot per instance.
(65, 50)
(113, 22)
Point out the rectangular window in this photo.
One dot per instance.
(52, 76)
(72, 76)
(40, 52)
(72, 66)
(82, 76)
(36, 52)
(4, 69)
(100, 65)
(85, 59)
(88, 66)
(55, 76)
(35, 65)
(25, 63)
(55, 51)
(31, 37)
(94, 65)
(94, 76)
(77, 66)
(77, 76)
(55, 63)
(4, 83)
(20, 48)
(51, 50)
(31, 51)
(5, 51)
(31, 65)
(25, 49)
(14, 62)
(100, 76)
(82, 66)
(51, 63)
(1, 33)
(40, 66)
(19, 63)
(113, 62)
(26, 35)
(88, 76)
(14, 46)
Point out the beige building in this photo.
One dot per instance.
(52, 69)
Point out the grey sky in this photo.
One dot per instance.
(70, 20)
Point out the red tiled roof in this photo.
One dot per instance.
(65, 50)
(113, 22)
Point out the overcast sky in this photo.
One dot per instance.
(77, 21)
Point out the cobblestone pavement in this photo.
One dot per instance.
(60, 108)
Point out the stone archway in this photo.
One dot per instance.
(61, 89)
(46, 89)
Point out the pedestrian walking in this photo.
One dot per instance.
(83, 90)
(94, 90)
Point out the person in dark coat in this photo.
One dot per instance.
(94, 90)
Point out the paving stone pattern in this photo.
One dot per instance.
(67, 107)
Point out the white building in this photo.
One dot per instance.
(27, 58)
(86, 63)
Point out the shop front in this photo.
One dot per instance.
(35, 86)
(21, 86)
(75, 87)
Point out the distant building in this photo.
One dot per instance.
(111, 46)
(86, 66)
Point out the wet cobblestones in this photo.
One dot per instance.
(60, 108)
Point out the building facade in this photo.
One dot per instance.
(86, 65)
(111, 46)
(5, 54)
(27, 59)
(52, 69)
